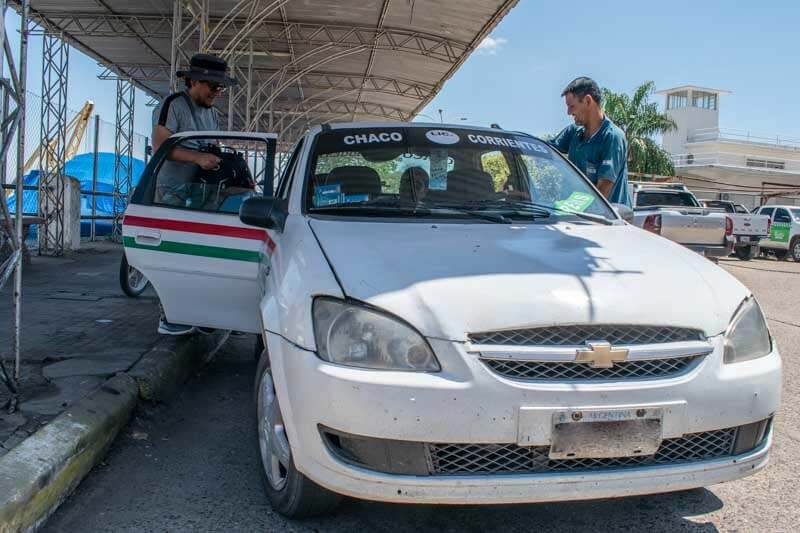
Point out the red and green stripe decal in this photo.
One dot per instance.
(203, 250)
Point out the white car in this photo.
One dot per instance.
(784, 235)
(455, 315)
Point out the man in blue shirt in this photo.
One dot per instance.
(593, 143)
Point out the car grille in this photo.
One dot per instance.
(451, 459)
(639, 369)
(579, 335)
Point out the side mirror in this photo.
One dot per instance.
(261, 211)
(624, 211)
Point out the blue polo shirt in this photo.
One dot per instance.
(603, 156)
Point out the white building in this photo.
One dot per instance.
(727, 164)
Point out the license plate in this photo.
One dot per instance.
(598, 434)
(745, 238)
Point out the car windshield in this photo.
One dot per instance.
(424, 172)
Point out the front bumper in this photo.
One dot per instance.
(467, 403)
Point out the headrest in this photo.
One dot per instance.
(469, 184)
(421, 181)
(355, 180)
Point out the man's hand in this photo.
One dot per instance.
(605, 186)
(207, 161)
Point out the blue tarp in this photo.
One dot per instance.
(80, 168)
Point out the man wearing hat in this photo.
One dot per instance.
(188, 110)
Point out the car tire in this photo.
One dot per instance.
(745, 253)
(290, 493)
(132, 281)
(794, 249)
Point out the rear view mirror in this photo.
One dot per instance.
(625, 212)
(261, 211)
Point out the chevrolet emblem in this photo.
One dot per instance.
(601, 355)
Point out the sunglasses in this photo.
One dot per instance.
(215, 87)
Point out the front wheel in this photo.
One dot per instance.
(745, 253)
(291, 493)
(132, 281)
(794, 248)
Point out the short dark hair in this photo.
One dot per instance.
(188, 83)
(582, 86)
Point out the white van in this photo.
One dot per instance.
(455, 315)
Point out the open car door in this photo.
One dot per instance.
(182, 228)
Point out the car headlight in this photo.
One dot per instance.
(354, 335)
(748, 336)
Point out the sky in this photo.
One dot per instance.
(749, 48)
(516, 77)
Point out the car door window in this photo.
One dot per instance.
(767, 211)
(186, 179)
(782, 215)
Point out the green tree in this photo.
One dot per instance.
(641, 121)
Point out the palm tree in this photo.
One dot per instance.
(641, 120)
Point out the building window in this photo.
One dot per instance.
(676, 100)
(765, 163)
(704, 100)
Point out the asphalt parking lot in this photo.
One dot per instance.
(191, 465)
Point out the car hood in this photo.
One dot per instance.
(449, 280)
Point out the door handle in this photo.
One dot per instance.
(148, 237)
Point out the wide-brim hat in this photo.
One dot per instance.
(207, 67)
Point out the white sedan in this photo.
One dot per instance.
(455, 315)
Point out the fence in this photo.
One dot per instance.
(92, 165)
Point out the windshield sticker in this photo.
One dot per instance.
(371, 138)
(327, 195)
(354, 198)
(577, 202)
(442, 137)
(532, 147)
(439, 166)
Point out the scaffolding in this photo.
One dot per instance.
(11, 245)
(123, 153)
(55, 71)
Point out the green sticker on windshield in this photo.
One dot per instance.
(577, 202)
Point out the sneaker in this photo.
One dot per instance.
(165, 328)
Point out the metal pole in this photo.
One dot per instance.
(23, 76)
(95, 160)
(177, 17)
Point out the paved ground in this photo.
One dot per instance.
(192, 466)
(78, 329)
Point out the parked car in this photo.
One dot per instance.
(784, 236)
(455, 315)
(672, 211)
(748, 229)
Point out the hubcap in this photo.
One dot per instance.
(796, 252)
(272, 441)
(136, 279)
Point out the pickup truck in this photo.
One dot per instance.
(784, 236)
(672, 211)
(436, 330)
(748, 229)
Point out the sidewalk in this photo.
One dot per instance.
(78, 329)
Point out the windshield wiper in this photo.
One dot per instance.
(586, 216)
(410, 208)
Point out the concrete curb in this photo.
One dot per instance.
(37, 475)
(161, 371)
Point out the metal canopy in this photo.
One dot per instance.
(300, 62)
